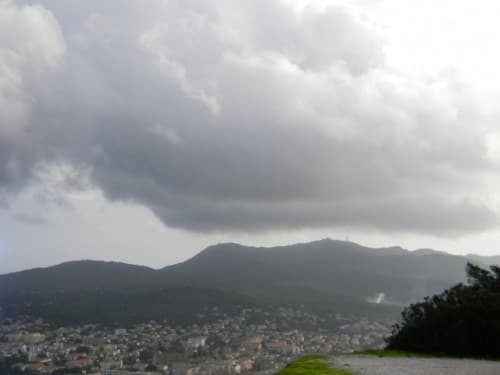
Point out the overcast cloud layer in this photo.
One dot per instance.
(242, 116)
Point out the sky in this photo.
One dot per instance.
(143, 132)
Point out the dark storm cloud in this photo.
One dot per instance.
(248, 116)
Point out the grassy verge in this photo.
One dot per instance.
(312, 364)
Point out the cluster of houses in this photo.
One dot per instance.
(239, 344)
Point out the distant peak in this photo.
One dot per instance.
(428, 252)
(91, 261)
(328, 241)
(100, 264)
(224, 245)
(392, 250)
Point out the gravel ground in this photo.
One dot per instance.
(367, 365)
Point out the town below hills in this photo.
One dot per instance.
(230, 309)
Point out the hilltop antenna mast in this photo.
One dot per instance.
(347, 236)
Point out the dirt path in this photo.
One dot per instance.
(368, 365)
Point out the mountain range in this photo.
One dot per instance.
(326, 274)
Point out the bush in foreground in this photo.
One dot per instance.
(462, 321)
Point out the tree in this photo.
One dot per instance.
(151, 367)
(146, 356)
(463, 320)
